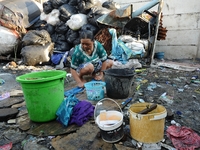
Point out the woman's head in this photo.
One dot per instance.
(87, 40)
(87, 34)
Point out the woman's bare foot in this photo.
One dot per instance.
(98, 76)
(81, 84)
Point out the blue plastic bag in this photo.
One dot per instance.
(74, 91)
(120, 51)
(65, 110)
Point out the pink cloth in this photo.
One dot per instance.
(183, 138)
(6, 146)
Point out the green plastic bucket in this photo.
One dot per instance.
(43, 93)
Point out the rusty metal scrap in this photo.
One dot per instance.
(104, 37)
(162, 32)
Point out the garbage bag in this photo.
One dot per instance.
(51, 18)
(97, 10)
(76, 21)
(35, 37)
(47, 7)
(61, 28)
(9, 40)
(57, 3)
(81, 7)
(66, 11)
(43, 25)
(36, 54)
(48, 27)
(76, 41)
(95, 13)
(90, 27)
(73, 2)
(71, 35)
(111, 5)
(38, 24)
(65, 110)
(62, 46)
(87, 4)
(57, 37)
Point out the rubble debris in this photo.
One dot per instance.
(104, 37)
(7, 113)
(177, 66)
(77, 140)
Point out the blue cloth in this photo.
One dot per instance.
(56, 58)
(120, 51)
(82, 112)
(73, 91)
(65, 110)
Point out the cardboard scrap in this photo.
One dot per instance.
(16, 93)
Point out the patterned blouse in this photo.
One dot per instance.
(80, 57)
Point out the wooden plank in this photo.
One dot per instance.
(50, 128)
(16, 93)
(82, 139)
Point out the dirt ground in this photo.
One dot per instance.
(182, 102)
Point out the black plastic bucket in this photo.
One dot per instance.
(118, 82)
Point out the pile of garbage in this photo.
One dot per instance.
(52, 38)
(64, 20)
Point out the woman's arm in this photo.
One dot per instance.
(76, 77)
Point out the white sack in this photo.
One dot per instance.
(127, 38)
(51, 18)
(8, 40)
(136, 47)
(76, 21)
(36, 54)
